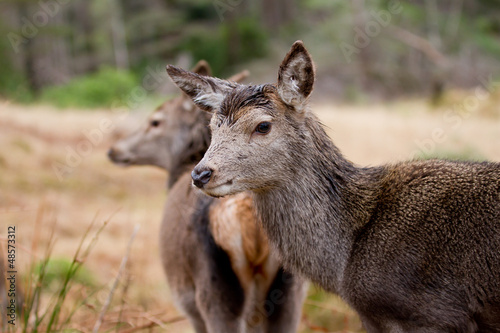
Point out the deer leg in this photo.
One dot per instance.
(284, 303)
(197, 321)
(186, 302)
(221, 303)
(217, 312)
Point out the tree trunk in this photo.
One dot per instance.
(364, 63)
(118, 36)
(29, 54)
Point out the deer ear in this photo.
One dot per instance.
(296, 76)
(238, 77)
(206, 92)
(202, 68)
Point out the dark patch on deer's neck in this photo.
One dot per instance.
(314, 217)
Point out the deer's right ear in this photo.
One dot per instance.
(206, 92)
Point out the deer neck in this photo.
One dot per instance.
(176, 173)
(194, 150)
(313, 219)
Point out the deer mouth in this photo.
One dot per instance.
(117, 158)
(124, 163)
(219, 190)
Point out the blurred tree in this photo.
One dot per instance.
(423, 48)
(118, 35)
(276, 13)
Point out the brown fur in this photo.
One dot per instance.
(216, 258)
(412, 246)
(233, 225)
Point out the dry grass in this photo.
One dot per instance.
(34, 199)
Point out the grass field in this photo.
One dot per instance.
(55, 179)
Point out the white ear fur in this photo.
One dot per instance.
(206, 92)
(213, 99)
(289, 89)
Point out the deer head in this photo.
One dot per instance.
(166, 134)
(175, 132)
(257, 130)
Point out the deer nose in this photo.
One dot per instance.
(201, 176)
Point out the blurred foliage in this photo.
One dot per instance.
(56, 271)
(12, 82)
(229, 45)
(209, 46)
(397, 57)
(104, 88)
(253, 40)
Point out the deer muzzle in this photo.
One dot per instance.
(201, 176)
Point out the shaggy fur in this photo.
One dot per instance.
(412, 247)
(216, 257)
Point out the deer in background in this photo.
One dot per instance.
(412, 246)
(214, 253)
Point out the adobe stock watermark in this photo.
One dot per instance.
(222, 6)
(363, 35)
(455, 116)
(30, 26)
(75, 155)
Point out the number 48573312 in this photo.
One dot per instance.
(11, 247)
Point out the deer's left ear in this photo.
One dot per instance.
(206, 92)
(296, 76)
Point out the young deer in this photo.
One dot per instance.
(215, 256)
(413, 246)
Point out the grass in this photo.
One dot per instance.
(60, 294)
(35, 200)
(50, 318)
(52, 216)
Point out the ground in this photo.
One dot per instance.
(55, 178)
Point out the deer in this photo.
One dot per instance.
(412, 246)
(217, 261)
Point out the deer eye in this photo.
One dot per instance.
(263, 128)
(155, 123)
